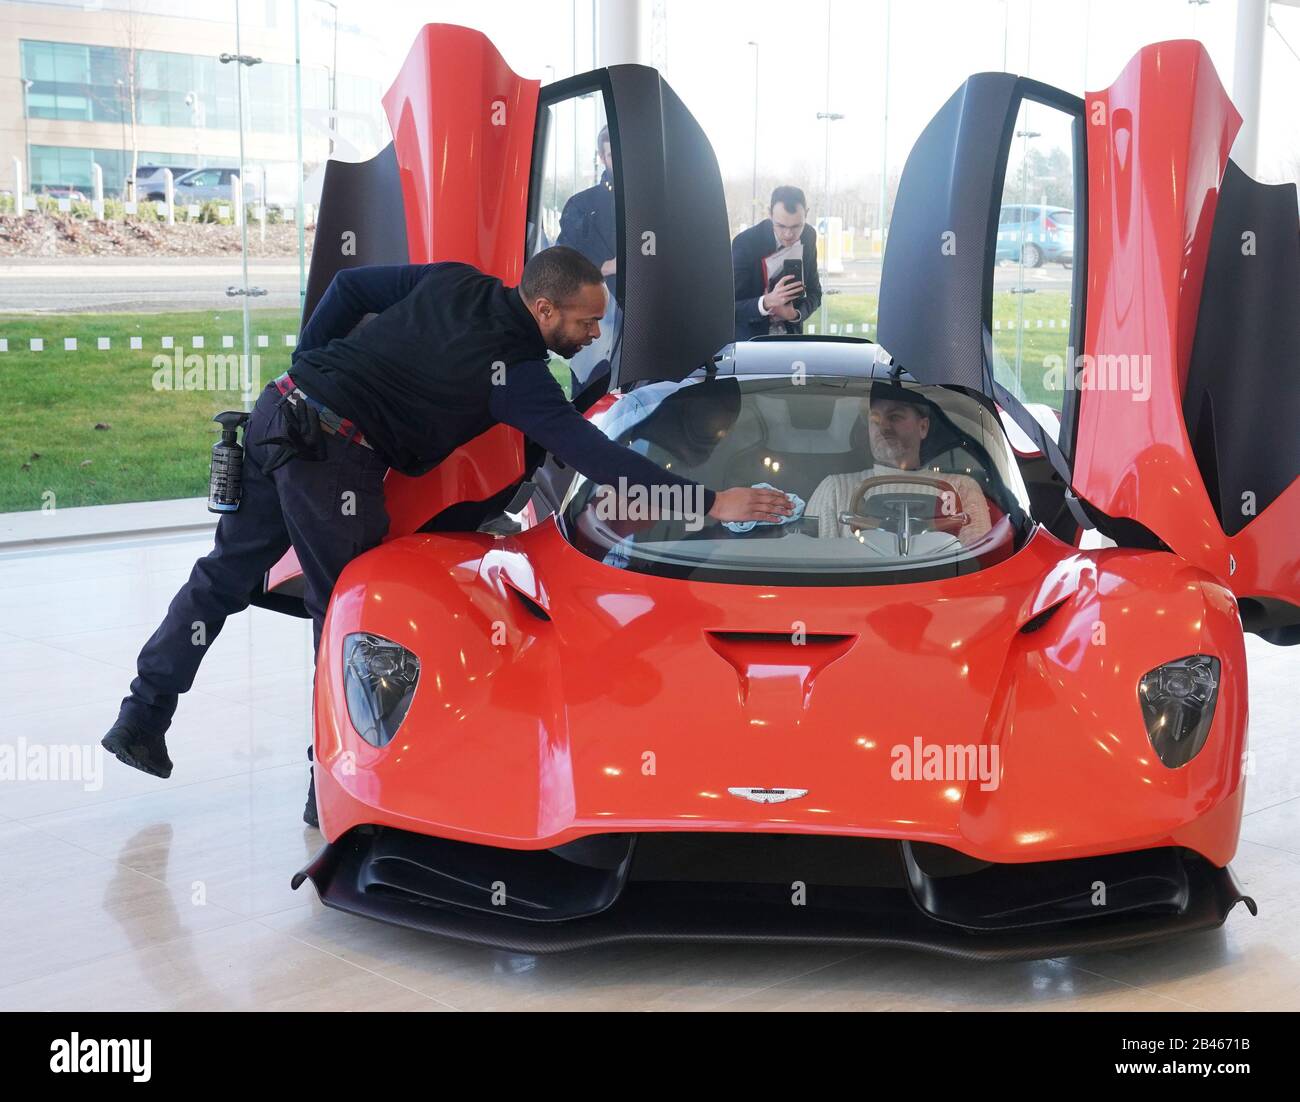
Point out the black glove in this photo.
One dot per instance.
(303, 437)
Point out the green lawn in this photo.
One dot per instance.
(158, 444)
(1038, 342)
(159, 441)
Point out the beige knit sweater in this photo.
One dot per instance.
(835, 492)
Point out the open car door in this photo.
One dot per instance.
(1103, 256)
(487, 167)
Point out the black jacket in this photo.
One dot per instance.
(747, 253)
(587, 224)
(419, 378)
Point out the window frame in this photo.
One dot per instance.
(1049, 96)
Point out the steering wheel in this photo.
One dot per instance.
(896, 512)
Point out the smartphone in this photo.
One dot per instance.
(792, 268)
(788, 268)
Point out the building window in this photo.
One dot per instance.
(74, 82)
(66, 166)
(185, 91)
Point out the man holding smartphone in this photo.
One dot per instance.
(775, 266)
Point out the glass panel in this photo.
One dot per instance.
(347, 60)
(71, 64)
(79, 83)
(60, 167)
(1034, 256)
(159, 293)
(261, 186)
(116, 367)
(898, 481)
(573, 205)
(38, 61)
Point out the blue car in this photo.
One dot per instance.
(1034, 233)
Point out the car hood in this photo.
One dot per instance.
(561, 697)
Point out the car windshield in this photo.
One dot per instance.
(895, 482)
(1063, 218)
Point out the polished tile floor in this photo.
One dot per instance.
(120, 891)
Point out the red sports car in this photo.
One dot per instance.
(984, 693)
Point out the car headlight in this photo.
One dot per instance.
(1178, 705)
(379, 678)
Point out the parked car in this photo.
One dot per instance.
(149, 178)
(930, 717)
(1035, 233)
(64, 192)
(203, 184)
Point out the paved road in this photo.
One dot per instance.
(144, 284)
(141, 284)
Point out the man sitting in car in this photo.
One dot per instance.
(898, 421)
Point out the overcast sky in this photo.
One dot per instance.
(933, 45)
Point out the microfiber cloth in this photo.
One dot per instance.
(739, 526)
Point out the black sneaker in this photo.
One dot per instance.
(309, 815)
(140, 750)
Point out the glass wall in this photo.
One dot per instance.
(829, 97)
(146, 318)
(129, 323)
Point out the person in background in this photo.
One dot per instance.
(766, 301)
(587, 221)
(587, 225)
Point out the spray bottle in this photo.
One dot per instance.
(226, 475)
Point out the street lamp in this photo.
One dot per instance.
(1020, 289)
(753, 202)
(1006, 18)
(884, 135)
(27, 142)
(829, 117)
(334, 76)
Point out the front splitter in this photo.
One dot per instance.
(705, 911)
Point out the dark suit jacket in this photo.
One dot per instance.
(747, 253)
(587, 224)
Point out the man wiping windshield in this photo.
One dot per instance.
(450, 353)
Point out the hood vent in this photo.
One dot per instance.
(1034, 623)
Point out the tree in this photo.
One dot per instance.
(1046, 176)
(132, 29)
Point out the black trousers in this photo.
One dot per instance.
(329, 510)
